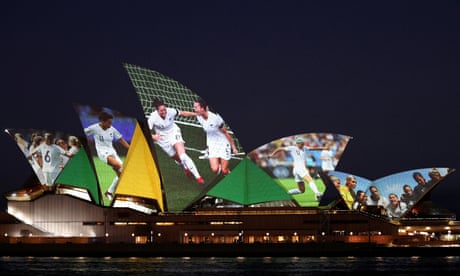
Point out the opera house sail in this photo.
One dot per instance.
(179, 174)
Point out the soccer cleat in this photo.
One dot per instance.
(318, 196)
(108, 194)
(200, 180)
(294, 191)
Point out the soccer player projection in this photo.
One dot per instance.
(48, 152)
(194, 146)
(109, 134)
(300, 162)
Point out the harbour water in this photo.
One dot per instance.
(227, 265)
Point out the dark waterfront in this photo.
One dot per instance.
(227, 265)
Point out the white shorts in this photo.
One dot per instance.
(299, 173)
(104, 154)
(220, 150)
(168, 140)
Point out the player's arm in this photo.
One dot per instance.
(63, 151)
(156, 137)
(230, 139)
(123, 142)
(34, 152)
(316, 148)
(276, 151)
(186, 113)
(88, 130)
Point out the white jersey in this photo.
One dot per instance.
(103, 140)
(36, 165)
(327, 161)
(51, 157)
(396, 211)
(160, 125)
(167, 129)
(382, 201)
(299, 169)
(298, 155)
(216, 141)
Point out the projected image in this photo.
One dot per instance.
(352, 189)
(48, 152)
(298, 161)
(195, 147)
(392, 196)
(403, 190)
(109, 134)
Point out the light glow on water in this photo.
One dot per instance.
(224, 265)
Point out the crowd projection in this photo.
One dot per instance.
(48, 152)
(392, 196)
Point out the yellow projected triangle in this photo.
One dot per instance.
(140, 175)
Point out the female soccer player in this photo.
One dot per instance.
(104, 134)
(219, 142)
(169, 136)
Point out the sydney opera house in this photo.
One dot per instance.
(156, 198)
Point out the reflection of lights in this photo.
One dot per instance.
(379, 233)
(106, 234)
(267, 234)
(165, 223)
(6, 234)
(186, 234)
(427, 228)
(212, 234)
(295, 233)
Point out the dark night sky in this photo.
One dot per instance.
(385, 72)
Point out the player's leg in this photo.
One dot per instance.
(312, 185)
(214, 164)
(224, 153)
(301, 186)
(299, 190)
(117, 166)
(178, 162)
(224, 166)
(48, 181)
(187, 161)
(115, 163)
